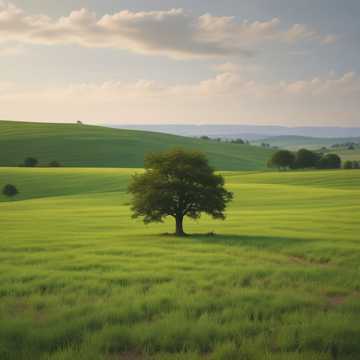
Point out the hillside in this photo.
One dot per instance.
(76, 145)
(296, 142)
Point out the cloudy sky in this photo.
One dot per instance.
(282, 62)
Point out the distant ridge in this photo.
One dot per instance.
(79, 145)
(249, 132)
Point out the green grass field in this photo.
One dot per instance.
(79, 279)
(94, 146)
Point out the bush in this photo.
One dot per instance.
(30, 162)
(329, 161)
(348, 165)
(356, 165)
(54, 164)
(10, 190)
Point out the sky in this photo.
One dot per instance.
(279, 62)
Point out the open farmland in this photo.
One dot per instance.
(79, 279)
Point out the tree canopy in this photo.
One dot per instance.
(330, 161)
(178, 183)
(282, 159)
(10, 190)
(306, 159)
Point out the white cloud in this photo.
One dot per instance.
(174, 33)
(224, 98)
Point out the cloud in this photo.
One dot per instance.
(174, 33)
(226, 98)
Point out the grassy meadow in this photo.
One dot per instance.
(79, 279)
(75, 145)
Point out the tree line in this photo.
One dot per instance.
(304, 159)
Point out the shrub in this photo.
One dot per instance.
(356, 165)
(30, 162)
(10, 190)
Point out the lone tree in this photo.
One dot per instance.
(178, 183)
(30, 162)
(10, 190)
(282, 159)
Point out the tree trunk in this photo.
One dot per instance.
(179, 226)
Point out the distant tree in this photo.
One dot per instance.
(178, 183)
(348, 164)
(79, 122)
(282, 159)
(10, 190)
(356, 165)
(329, 161)
(351, 147)
(238, 141)
(54, 164)
(30, 162)
(306, 159)
(204, 138)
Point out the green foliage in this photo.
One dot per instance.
(178, 183)
(30, 162)
(94, 146)
(329, 161)
(10, 190)
(348, 164)
(306, 159)
(282, 159)
(281, 282)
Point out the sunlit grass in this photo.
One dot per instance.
(79, 279)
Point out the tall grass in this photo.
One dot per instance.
(81, 280)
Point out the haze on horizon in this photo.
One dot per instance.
(161, 62)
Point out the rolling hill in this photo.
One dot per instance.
(76, 145)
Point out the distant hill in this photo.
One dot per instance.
(249, 132)
(77, 145)
(297, 142)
